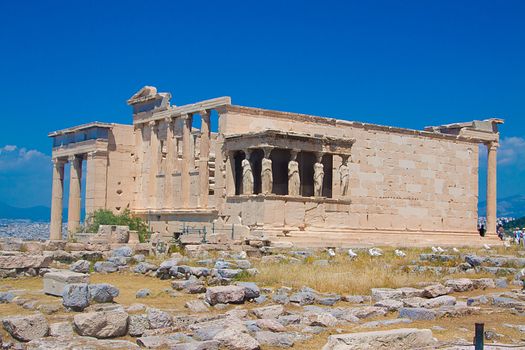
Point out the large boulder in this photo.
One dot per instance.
(26, 328)
(397, 339)
(104, 324)
(251, 290)
(76, 296)
(55, 281)
(103, 292)
(22, 261)
(225, 295)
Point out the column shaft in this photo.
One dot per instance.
(204, 172)
(170, 165)
(186, 160)
(491, 187)
(75, 180)
(55, 230)
(154, 150)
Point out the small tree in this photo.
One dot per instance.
(106, 217)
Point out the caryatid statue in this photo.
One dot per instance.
(294, 182)
(344, 176)
(247, 176)
(266, 172)
(318, 176)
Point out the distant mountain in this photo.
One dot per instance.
(509, 206)
(38, 213)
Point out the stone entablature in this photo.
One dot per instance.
(311, 172)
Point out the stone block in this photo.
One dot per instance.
(55, 281)
(397, 339)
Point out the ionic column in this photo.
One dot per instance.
(186, 159)
(318, 175)
(266, 171)
(170, 164)
(491, 186)
(294, 181)
(55, 229)
(204, 171)
(75, 180)
(154, 151)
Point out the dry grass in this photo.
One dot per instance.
(351, 276)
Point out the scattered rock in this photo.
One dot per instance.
(55, 281)
(417, 313)
(266, 312)
(196, 306)
(26, 328)
(435, 290)
(102, 292)
(137, 325)
(159, 319)
(61, 329)
(105, 267)
(225, 295)
(105, 324)
(143, 293)
(81, 266)
(76, 296)
(460, 284)
(400, 339)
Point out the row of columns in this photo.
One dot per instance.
(294, 180)
(187, 164)
(75, 190)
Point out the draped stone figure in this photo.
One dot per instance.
(318, 179)
(294, 182)
(247, 177)
(266, 176)
(344, 176)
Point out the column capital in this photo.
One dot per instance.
(59, 161)
(204, 113)
(184, 116)
(267, 151)
(319, 156)
(72, 158)
(293, 153)
(493, 145)
(345, 158)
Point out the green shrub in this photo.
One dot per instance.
(106, 217)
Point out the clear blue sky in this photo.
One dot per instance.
(402, 63)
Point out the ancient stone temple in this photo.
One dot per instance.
(277, 175)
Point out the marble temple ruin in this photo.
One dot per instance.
(276, 175)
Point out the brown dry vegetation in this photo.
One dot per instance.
(352, 276)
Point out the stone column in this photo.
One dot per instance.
(318, 175)
(186, 159)
(57, 193)
(204, 172)
(344, 176)
(266, 171)
(247, 174)
(491, 187)
(294, 181)
(154, 151)
(75, 180)
(171, 157)
(229, 173)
